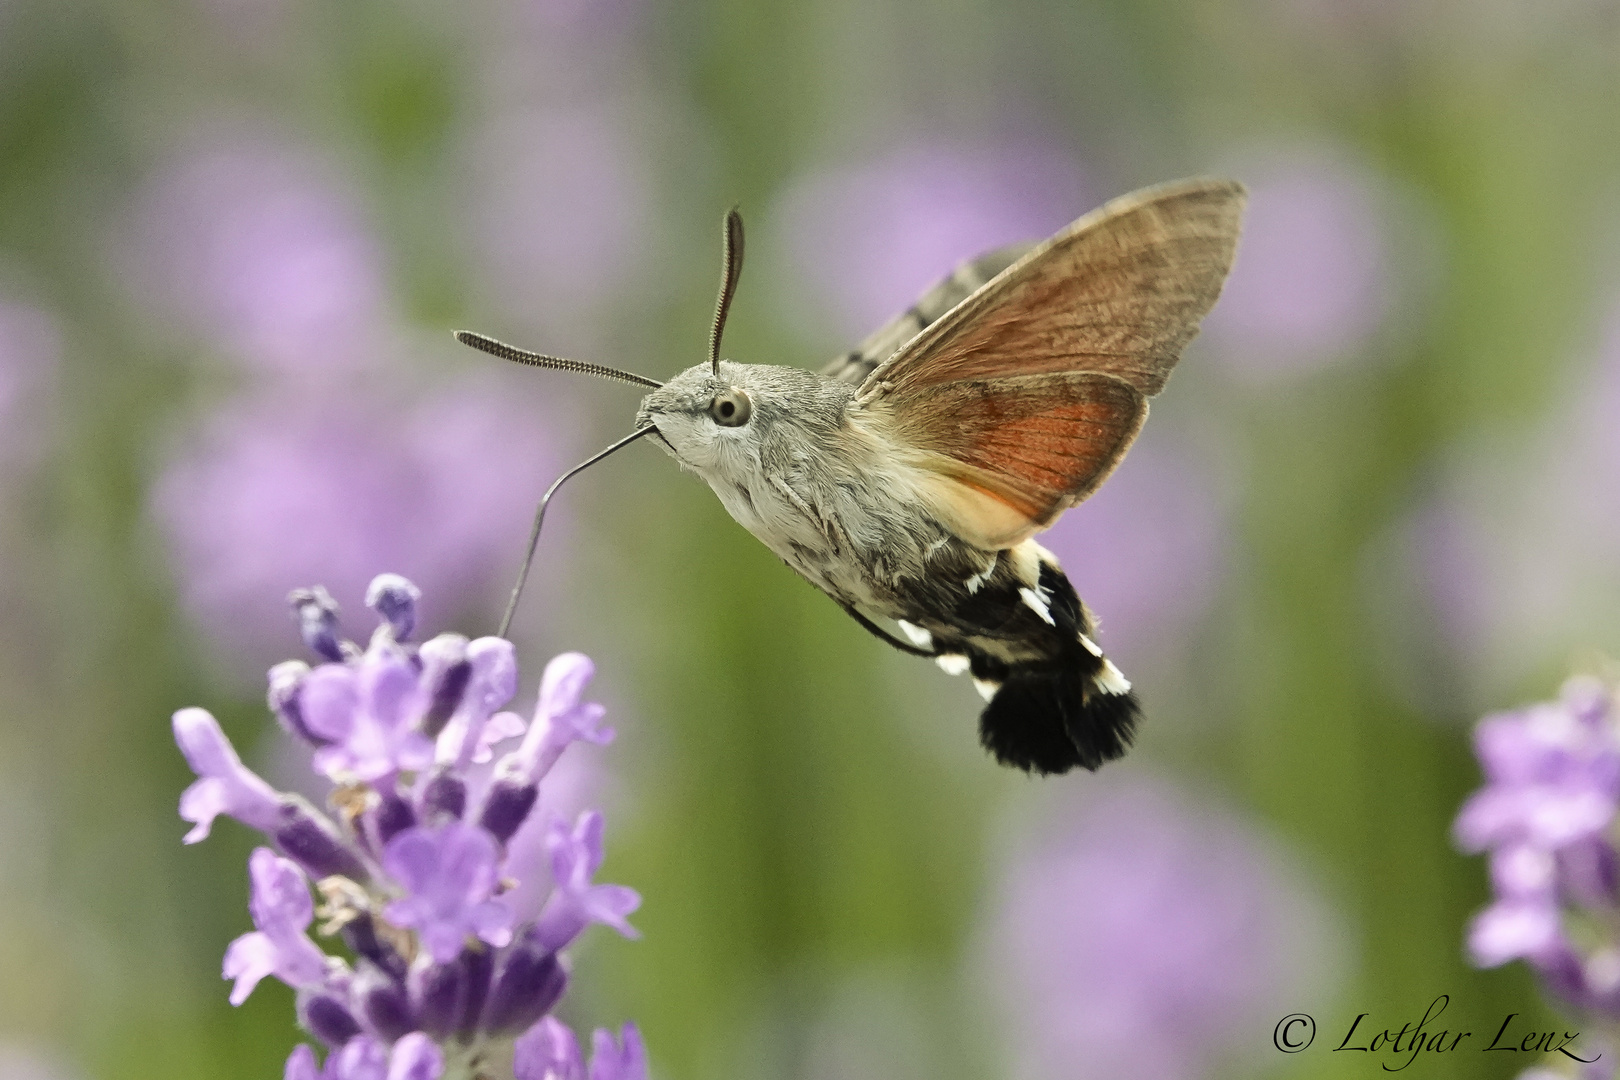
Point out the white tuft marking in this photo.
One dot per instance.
(935, 546)
(1037, 604)
(1025, 560)
(976, 582)
(952, 663)
(1111, 680)
(919, 637)
(986, 688)
(1091, 646)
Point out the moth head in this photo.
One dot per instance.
(721, 425)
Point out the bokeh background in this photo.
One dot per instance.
(1381, 496)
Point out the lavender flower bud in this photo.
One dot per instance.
(394, 599)
(448, 998)
(313, 842)
(445, 674)
(507, 806)
(316, 613)
(530, 981)
(393, 816)
(415, 1057)
(286, 683)
(360, 935)
(444, 797)
(381, 1003)
(327, 1017)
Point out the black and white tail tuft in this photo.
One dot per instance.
(1070, 708)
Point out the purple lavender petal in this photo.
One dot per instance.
(370, 713)
(499, 728)
(301, 1064)
(862, 243)
(548, 1051)
(282, 910)
(491, 685)
(416, 1057)
(361, 1058)
(394, 599)
(1589, 872)
(1523, 870)
(449, 875)
(575, 902)
(1510, 929)
(560, 717)
(224, 785)
(625, 1059)
(577, 783)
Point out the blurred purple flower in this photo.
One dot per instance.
(1546, 815)
(1514, 547)
(862, 243)
(285, 486)
(1145, 935)
(561, 209)
(1148, 550)
(446, 973)
(256, 248)
(1314, 269)
(30, 347)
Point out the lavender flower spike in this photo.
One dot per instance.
(224, 784)
(282, 911)
(1546, 815)
(447, 980)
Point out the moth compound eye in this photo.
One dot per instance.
(731, 409)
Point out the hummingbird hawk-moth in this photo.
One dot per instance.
(908, 478)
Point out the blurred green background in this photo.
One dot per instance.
(1374, 502)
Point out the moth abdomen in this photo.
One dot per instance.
(1049, 717)
(1053, 700)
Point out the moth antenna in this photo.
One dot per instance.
(731, 271)
(540, 518)
(534, 359)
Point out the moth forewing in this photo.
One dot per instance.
(1121, 292)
